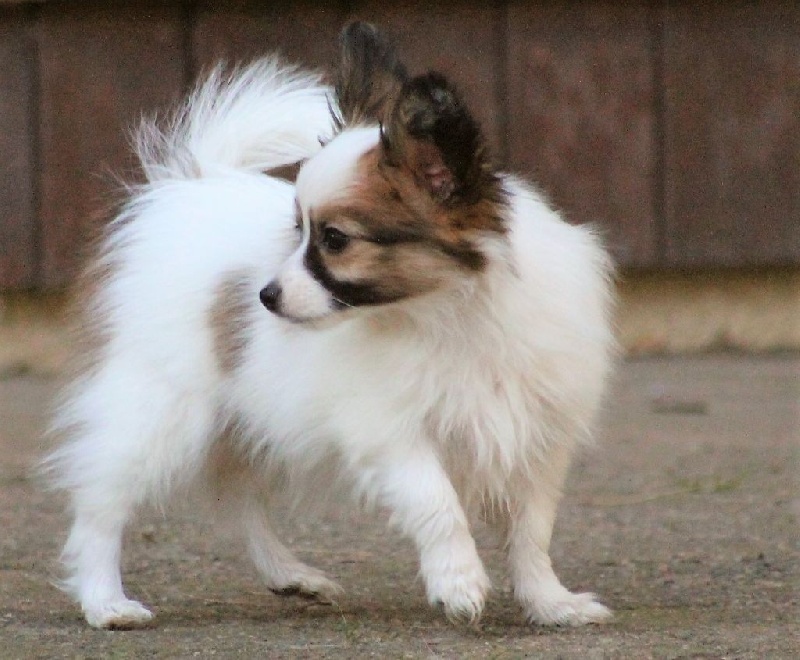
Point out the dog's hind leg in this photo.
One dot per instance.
(282, 572)
(129, 437)
(92, 557)
(529, 526)
(240, 493)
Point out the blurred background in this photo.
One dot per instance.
(673, 125)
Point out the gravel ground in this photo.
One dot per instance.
(684, 520)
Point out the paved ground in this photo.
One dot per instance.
(685, 520)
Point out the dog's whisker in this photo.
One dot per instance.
(341, 302)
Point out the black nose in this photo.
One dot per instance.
(271, 296)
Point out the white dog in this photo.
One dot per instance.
(435, 336)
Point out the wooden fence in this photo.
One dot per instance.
(676, 125)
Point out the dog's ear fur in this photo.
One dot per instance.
(432, 133)
(369, 74)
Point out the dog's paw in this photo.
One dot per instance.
(461, 592)
(117, 614)
(568, 609)
(308, 582)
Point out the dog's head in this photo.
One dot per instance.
(400, 203)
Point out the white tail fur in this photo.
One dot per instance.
(258, 117)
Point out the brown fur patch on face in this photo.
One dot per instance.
(233, 298)
(391, 193)
(403, 241)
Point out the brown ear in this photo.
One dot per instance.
(368, 76)
(432, 133)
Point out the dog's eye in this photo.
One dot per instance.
(334, 240)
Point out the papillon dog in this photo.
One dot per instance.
(404, 322)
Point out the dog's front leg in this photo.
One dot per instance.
(425, 506)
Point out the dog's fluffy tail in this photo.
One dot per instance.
(259, 117)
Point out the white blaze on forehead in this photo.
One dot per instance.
(330, 172)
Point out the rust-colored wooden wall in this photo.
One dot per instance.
(675, 125)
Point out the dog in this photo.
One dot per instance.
(436, 339)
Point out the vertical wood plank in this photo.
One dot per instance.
(582, 115)
(17, 135)
(732, 134)
(102, 66)
(303, 31)
(463, 39)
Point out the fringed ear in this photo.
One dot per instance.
(432, 133)
(369, 75)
